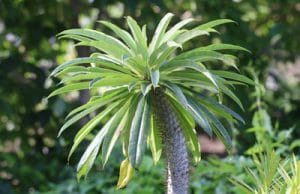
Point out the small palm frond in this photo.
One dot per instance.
(271, 175)
(123, 76)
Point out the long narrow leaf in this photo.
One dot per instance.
(126, 37)
(175, 28)
(138, 36)
(88, 127)
(155, 141)
(160, 31)
(90, 154)
(225, 137)
(139, 131)
(70, 87)
(114, 132)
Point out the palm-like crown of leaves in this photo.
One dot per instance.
(123, 75)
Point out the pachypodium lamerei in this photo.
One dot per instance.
(151, 94)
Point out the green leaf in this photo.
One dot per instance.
(162, 53)
(144, 32)
(91, 108)
(70, 87)
(97, 100)
(138, 37)
(108, 48)
(199, 67)
(89, 126)
(178, 93)
(126, 132)
(103, 41)
(72, 70)
(114, 132)
(87, 60)
(220, 108)
(214, 23)
(87, 161)
(191, 108)
(139, 131)
(126, 37)
(114, 81)
(165, 54)
(233, 76)
(220, 131)
(154, 140)
(242, 186)
(190, 34)
(154, 78)
(75, 37)
(160, 31)
(174, 29)
(199, 116)
(145, 88)
(203, 56)
(88, 76)
(221, 46)
(229, 93)
(132, 85)
(126, 173)
(90, 154)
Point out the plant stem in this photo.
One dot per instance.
(174, 145)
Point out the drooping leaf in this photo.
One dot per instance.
(220, 130)
(90, 154)
(114, 132)
(89, 126)
(126, 173)
(139, 131)
(221, 107)
(229, 93)
(154, 141)
(178, 93)
(106, 98)
(234, 76)
(199, 117)
(196, 113)
(126, 131)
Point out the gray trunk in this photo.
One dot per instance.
(174, 146)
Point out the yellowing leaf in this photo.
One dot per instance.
(126, 173)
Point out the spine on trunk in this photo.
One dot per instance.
(174, 145)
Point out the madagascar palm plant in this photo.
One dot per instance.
(150, 94)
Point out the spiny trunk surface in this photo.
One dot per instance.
(174, 146)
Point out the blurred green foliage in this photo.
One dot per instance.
(32, 160)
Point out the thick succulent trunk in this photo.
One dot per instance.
(174, 146)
